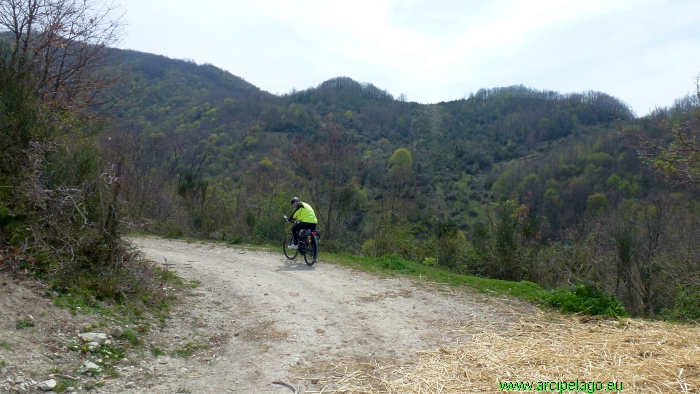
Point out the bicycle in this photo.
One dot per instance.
(308, 245)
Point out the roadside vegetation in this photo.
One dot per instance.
(61, 215)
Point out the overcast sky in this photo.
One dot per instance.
(646, 53)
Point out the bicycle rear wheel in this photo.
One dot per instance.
(291, 254)
(311, 255)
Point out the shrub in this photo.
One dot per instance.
(449, 247)
(392, 237)
(506, 246)
(395, 263)
(585, 299)
(687, 305)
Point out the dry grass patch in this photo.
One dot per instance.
(265, 331)
(390, 294)
(646, 357)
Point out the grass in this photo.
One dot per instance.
(137, 313)
(189, 350)
(132, 338)
(167, 276)
(394, 265)
(80, 300)
(20, 324)
(62, 385)
(579, 299)
(110, 371)
(139, 310)
(112, 352)
(5, 345)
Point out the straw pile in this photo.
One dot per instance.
(646, 357)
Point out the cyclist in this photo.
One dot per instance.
(306, 217)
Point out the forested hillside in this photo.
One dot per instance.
(511, 183)
(222, 128)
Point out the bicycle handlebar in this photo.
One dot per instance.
(286, 219)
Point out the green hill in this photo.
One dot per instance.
(511, 182)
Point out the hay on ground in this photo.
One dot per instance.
(642, 356)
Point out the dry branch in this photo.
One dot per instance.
(289, 386)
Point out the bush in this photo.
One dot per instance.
(392, 237)
(506, 246)
(446, 245)
(395, 263)
(585, 299)
(173, 230)
(269, 228)
(687, 305)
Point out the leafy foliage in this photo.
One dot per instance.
(669, 142)
(507, 245)
(586, 299)
(687, 305)
(59, 200)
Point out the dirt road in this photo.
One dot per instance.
(266, 319)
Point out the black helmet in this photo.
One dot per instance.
(294, 200)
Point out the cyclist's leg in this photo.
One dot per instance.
(295, 232)
(299, 226)
(309, 226)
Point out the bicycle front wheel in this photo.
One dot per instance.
(291, 254)
(311, 255)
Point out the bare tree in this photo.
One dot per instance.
(53, 55)
(266, 190)
(60, 47)
(680, 158)
(641, 256)
(147, 163)
(329, 173)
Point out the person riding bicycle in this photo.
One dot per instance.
(306, 217)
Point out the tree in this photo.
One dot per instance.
(596, 204)
(62, 197)
(149, 161)
(398, 181)
(61, 47)
(329, 173)
(390, 230)
(266, 190)
(507, 245)
(679, 158)
(401, 161)
(192, 185)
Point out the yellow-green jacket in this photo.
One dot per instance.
(304, 213)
